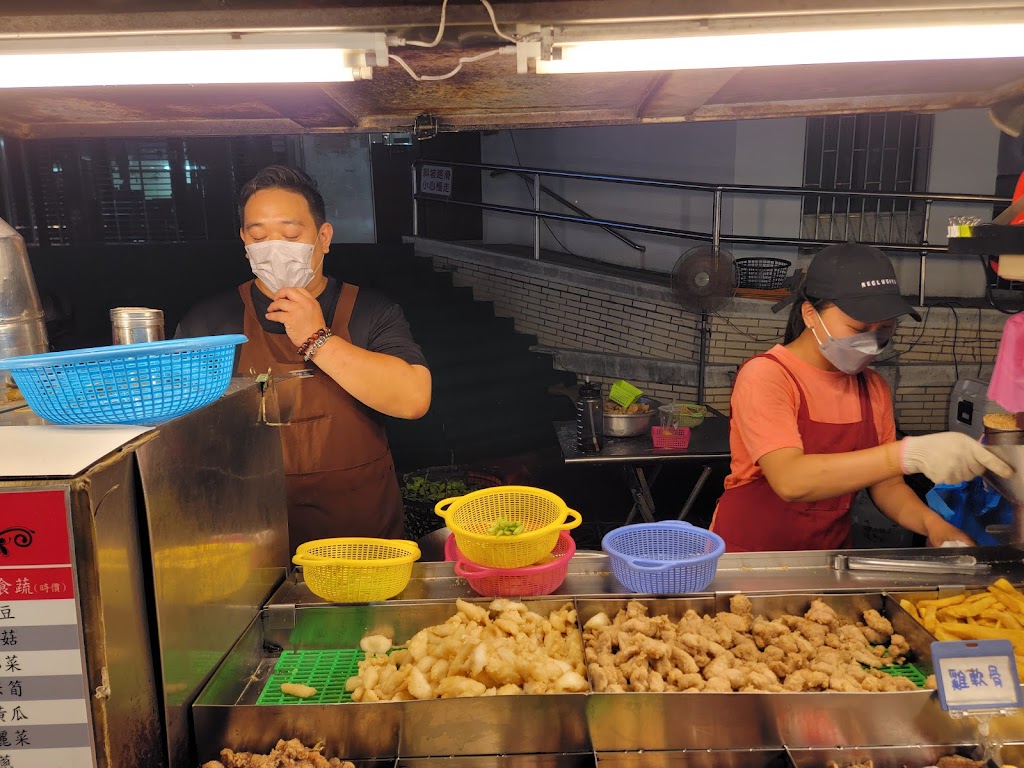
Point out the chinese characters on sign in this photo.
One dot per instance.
(975, 675)
(436, 180)
(44, 702)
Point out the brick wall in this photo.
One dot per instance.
(568, 308)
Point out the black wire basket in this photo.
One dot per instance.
(419, 510)
(761, 272)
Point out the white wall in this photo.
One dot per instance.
(963, 160)
(340, 163)
(769, 152)
(965, 152)
(679, 151)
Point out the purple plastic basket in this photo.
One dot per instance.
(665, 558)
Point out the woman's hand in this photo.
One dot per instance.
(949, 458)
(298, 311)
(939, 532)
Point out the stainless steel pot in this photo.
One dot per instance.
(632, 424)
(22, 324)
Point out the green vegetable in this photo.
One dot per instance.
(503, 527)
(420, 489)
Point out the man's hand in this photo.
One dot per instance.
(299, 312)
(939, 531)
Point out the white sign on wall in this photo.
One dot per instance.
(436, 180)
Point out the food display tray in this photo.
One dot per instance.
(229, 712)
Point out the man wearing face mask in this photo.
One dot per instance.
(350, 349)
(812, 425)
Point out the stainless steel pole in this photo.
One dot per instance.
(924, 254)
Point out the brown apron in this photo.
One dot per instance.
(341, 477)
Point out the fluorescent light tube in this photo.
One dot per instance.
(823, 46)
(300, 65)
(292, 56)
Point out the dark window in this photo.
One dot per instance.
(87, 191)
(866, 153)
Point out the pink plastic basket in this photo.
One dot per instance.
(528, 581)
(671, 438)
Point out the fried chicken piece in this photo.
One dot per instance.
(635, 610)
(811, 630)
(765, 632)
(740, 605)
(878, 622)
(285, 754)
(746, 650)
(684, 661)
(898, 649)
(845, 683)
(806, 680)
(685, 682)
(958, 761)
(872, 636)
(718, 685)
(736, 622)
(823, 614)
(852, 639)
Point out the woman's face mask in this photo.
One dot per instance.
(281, 263)
(849, 354)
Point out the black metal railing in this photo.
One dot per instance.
(717, 192)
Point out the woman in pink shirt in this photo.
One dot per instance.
(812, 425)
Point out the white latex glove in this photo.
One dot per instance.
(949, 458)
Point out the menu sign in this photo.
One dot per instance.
(44, 700)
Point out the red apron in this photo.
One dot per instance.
(341, 477)
(752, 517)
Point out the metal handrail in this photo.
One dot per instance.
(716, 236)
(576, 209)
(709, 187)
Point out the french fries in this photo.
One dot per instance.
(995, 614)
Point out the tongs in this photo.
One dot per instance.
(958, 564)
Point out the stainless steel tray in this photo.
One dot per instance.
(225, 714)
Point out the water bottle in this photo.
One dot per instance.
(589, 418)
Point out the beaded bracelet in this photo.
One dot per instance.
(301, 351)
(321, 340)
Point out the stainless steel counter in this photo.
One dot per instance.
(590, 575)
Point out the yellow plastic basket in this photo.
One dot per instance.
(353, 570)
(542, 514)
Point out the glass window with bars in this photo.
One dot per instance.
(88, 191)
(866, 153)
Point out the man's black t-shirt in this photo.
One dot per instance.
(377, 323)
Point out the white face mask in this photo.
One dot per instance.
(281, 263)
(850, 354)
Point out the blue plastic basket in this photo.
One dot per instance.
(666, 558)
(126, 383)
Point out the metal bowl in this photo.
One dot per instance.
(633, 424)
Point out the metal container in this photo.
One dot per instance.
(631, 424)
(177, 538)
(22, 324)
(1009, 446)
(226, 713)
(134, 325)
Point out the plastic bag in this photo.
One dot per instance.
(971, 507)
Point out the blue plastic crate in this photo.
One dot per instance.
(126, 383)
